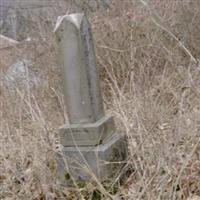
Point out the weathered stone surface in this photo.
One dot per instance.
(81, 81)
(90, 139)
(8, 22)
(104, 161)
(20, 76)
(24, 3)
(88, 134)
(19, 18)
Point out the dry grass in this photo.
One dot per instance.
(148, 58)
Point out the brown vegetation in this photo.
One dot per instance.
(148, 58)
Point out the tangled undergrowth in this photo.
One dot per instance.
(148, 59)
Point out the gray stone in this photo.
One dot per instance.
(89, 142)
(88, 134)
(8, 22)
(103, 162)
(6, 42)
(24, 3)
(19, 75)
(81, 82)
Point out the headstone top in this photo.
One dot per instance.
(75, 19)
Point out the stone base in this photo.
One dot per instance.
(81, 163)
(88, 134)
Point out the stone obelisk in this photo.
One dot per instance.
(90, 138)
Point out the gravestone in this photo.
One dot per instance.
(20, 17)
(90, 144)
(20, 75)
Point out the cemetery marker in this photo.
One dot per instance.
(89, 139)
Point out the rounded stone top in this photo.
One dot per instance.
(76, 19)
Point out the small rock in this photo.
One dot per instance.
(19, 75)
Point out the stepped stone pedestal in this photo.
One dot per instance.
(90, 145)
